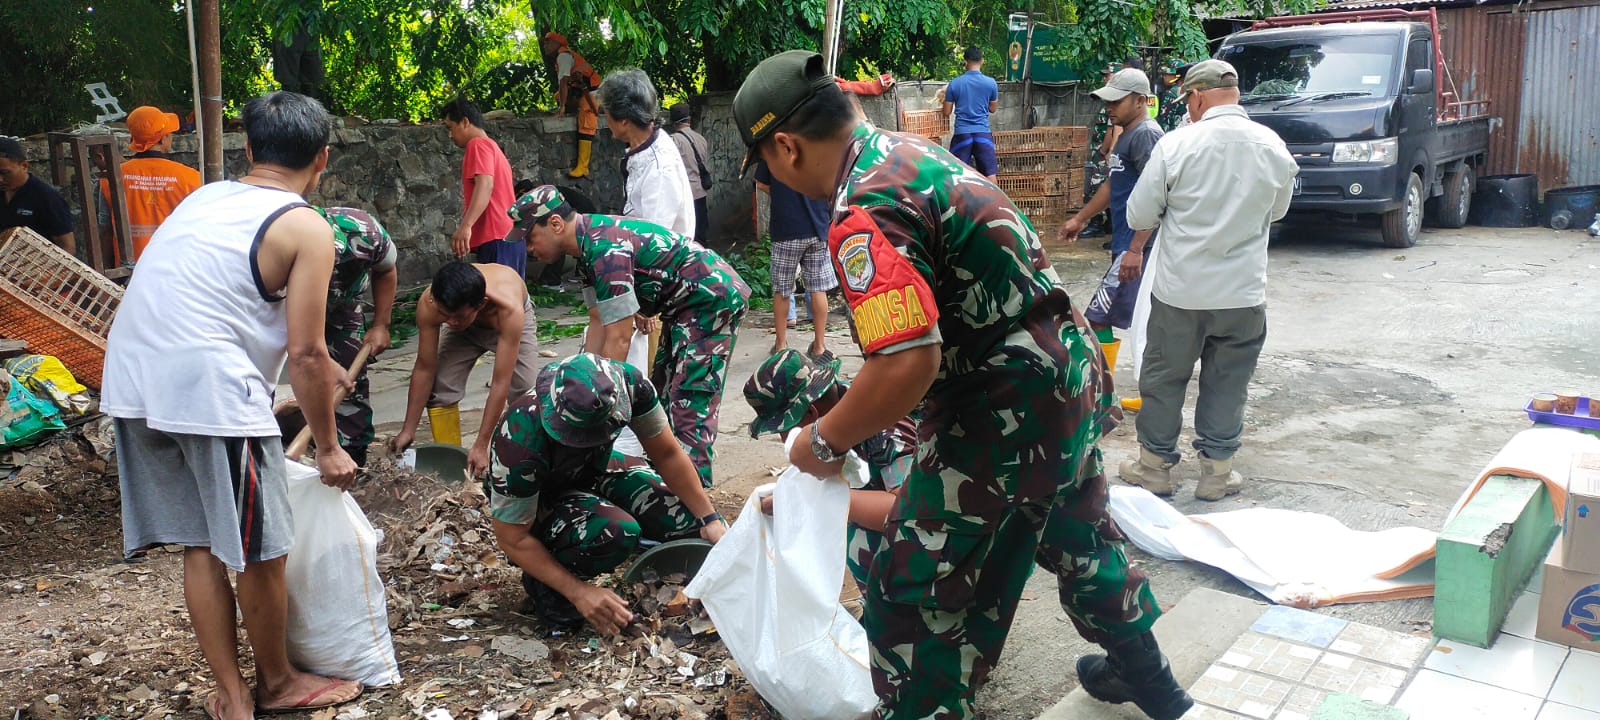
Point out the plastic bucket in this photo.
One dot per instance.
(1572, 207)
(1506, 201)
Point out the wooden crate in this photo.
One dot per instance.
(1060, 137)
(57, 304)
(1042, 161)
(1040, 184)
(1048, 210)
(927, 123)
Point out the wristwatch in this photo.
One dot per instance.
(713, 517)
(820, 448)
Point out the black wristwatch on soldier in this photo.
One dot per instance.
(713, 517)
(820, 448)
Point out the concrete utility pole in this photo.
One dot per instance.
(832, 15)
(211, 87)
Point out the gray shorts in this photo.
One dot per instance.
(227, 494)
(808, 256)
(460, 350)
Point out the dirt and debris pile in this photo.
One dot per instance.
(470, 650)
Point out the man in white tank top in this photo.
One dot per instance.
(232, 285)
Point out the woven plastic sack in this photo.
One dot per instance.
(24, 418)
(771, 586)
(338, 622)
(45, 376)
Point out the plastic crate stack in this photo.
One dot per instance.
(1042, 170)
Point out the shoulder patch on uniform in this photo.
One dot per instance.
(890, 301)
(855, 257)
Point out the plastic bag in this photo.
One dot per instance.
(24, 418)
(338, 623)
(1594, 228)
(772, 588)
(47, 377)
(1138, 331)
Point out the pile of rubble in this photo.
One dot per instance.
(469, 650)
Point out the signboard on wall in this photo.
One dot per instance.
(1049, 52)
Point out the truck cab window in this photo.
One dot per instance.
(1349, 65)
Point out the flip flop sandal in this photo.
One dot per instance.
(213, 707)
(309, 702)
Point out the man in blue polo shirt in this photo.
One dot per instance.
(973, 96)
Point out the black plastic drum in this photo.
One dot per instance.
(1506, 201)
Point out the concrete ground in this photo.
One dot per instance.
(1388, 379)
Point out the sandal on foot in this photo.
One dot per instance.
(309, 702)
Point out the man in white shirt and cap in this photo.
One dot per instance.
(1214, 188)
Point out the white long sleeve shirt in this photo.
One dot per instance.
(658, 186)
(1214, 188)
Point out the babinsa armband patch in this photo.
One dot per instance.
(890, 302)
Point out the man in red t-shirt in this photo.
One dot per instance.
(486, 192)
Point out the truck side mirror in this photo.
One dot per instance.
(1421, 81)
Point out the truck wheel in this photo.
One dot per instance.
(1402, 225)
(1457, 200)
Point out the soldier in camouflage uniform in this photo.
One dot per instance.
(955, 305)
(566, 507)
(636, 270)
(1173, 110)
(790, 390)
(364, 258)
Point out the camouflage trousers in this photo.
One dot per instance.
(690, 371)
(940, 604)
(861, 546)
(593, 532)
(346, 328)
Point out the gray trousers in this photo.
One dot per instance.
(1227, 344)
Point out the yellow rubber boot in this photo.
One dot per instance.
(446, 424)
(585, 147)
(1110, 350)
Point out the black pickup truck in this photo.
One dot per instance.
(1365, 103)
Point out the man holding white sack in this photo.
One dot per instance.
(566, 506)
(955, 304)
(234, 283)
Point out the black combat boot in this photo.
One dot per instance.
(552, 608)
(1134, 670)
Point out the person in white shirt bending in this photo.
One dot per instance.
(1215, 188)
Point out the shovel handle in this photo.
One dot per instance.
(303, 440)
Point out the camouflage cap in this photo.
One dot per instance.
(585, 400)
(533, 205)
(784, 387)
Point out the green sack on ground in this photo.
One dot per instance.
(24, 418)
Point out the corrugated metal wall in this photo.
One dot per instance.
(1560, 113)
(1484, 51)
(1537, 65)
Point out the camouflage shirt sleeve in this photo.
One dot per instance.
(649, 418)
(887, 276)
(515, 460)
(612, 263)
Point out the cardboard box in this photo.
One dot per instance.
(1569, 605)
(1580, 537)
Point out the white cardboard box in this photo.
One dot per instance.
(1580, 534)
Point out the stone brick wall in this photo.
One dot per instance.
(409, 175)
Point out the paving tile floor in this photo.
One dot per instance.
(1293, 663)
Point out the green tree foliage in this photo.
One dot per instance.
(386, 58)
(52, 48)
(404, 58)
